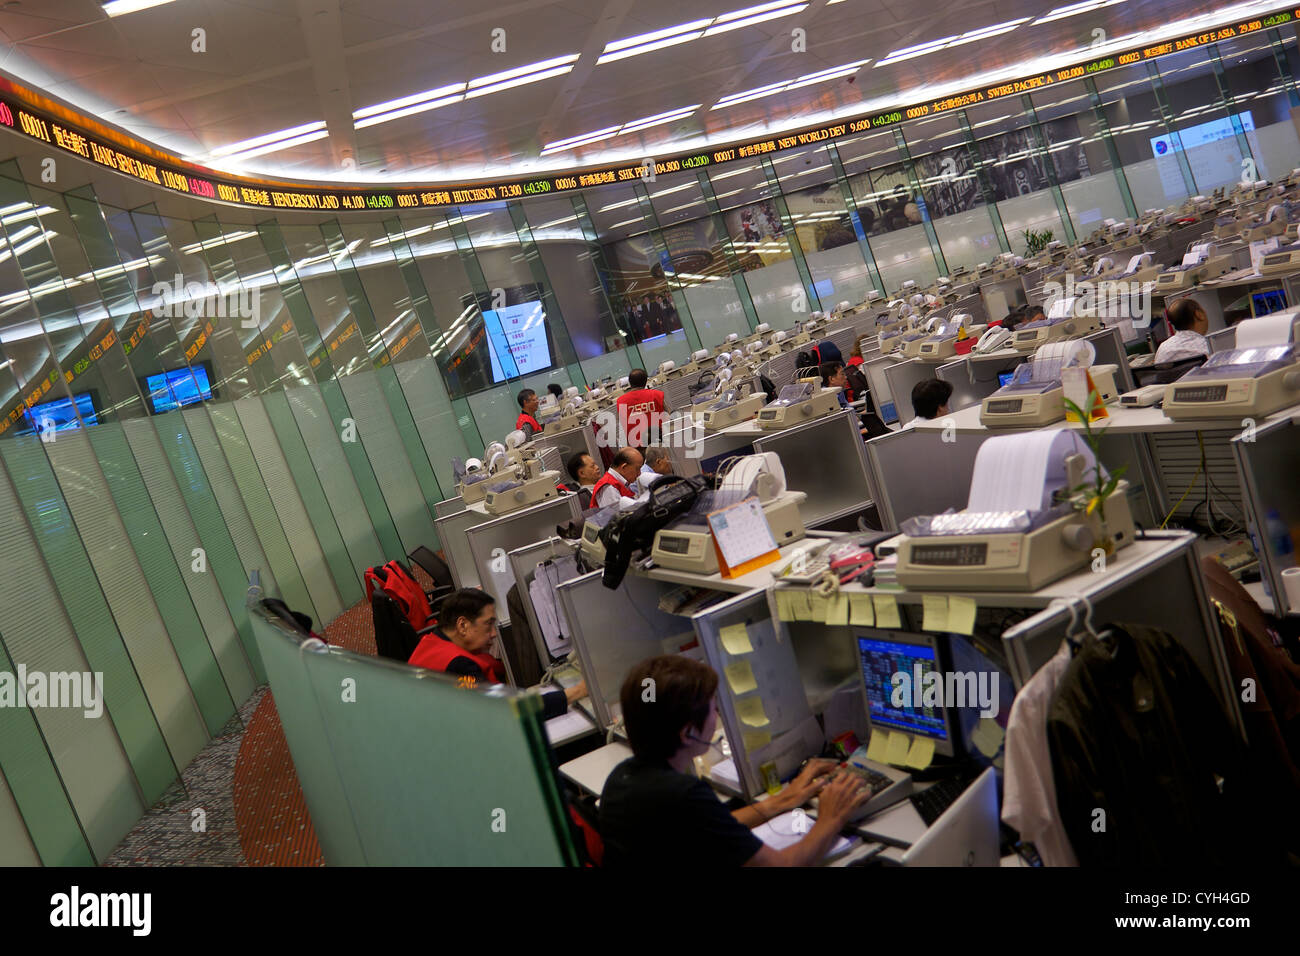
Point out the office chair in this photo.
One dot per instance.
(435, 568)
(1167, 372)
(395, 638)
(296, 620)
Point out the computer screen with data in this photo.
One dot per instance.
(883, 654)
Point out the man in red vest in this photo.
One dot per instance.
(640, 411)
(526, 423)
(616, 482)
(467, 622)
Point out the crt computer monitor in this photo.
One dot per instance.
(1268, 302)
(883, 653)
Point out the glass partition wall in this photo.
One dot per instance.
(187, 399)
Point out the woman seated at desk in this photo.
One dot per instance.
(467, 622)
(654, 812)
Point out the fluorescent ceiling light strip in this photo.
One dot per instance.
(531, 68)
(275, 147)
(23, 216)
(647, 48)
(248, 144)
(585, 137)
(31, 244)
(411, 100)
(519, 81)
(118, 8)
(996, 30)
(409, 111)
(646, 38)
(756, 91)
(757, 18)
(761, 8)
(1074, 9)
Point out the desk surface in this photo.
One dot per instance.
(1122, 421)
(590, 771)
(760, 578)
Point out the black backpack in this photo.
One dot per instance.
(631, 531)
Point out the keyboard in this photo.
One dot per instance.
(931, 802)
(885, 790)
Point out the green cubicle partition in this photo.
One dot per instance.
(402, 767)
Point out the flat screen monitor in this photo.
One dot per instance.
(177, 388)
(517, 343)
(61, 414)
(1004, 378)
(881, 655)
(1268, 302)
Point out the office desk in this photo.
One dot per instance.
(759, 578)
(590, 771)
(570, 726)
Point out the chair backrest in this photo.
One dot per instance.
(433, 566)
(1166, 372)
(395, 638)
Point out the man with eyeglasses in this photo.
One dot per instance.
(654, 812)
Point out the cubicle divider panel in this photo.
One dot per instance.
(568, 443)
(1163, 590)
(204, 585)
(452, 530)
(614, 629)
(524, 562)
(304, 407)
(216, 533)
(491, 541)
(250, 439)
(164, 573)
(919, 473)
(448, 506)
(825, 458)
(902, 378)
(16, 848)
(765, 710)
(882, 395)
(477, 790)
(53, 618)
(310, 746)
(1269, 464)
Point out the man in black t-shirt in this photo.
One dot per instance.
(654, 812)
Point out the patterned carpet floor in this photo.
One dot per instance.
(244, 783)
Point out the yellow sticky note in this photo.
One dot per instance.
(935, 608)
(741, 677)
(877, 746)
(863, 614)
(735, 639)
(961, 614)
(921, 754)
(802, 606)
(756, 739)
(784, 606)
(896, 749)
(750, 710)
(837, 611)
(819, 605)
(987, 736)
(886, 610)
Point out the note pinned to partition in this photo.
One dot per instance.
(735, 639)
(864, 614)
(756, 739)
(802, 606)
(897, 748)
(837, 611)
(935, 612)
(819, 606)
(987, 736)
(886, 608)
(921, 753)
(878, 746)
(784, 605)
(751, 713)
(961, 614)
(740, 677)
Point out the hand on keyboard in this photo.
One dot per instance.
(841, 798)
(806, 785)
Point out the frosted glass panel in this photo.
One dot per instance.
(839, 274)
(1093, 199)
(967, 238)
(904, 254)
(435, 419)
(15, 847)
(717, 312)
(1036, 211)
(778, 294)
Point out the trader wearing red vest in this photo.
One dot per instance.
(640, 411)
(616, 482)
(526, 423)
(467, 622)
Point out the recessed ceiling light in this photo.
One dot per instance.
(117, 8)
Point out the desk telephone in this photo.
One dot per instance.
(993, 339)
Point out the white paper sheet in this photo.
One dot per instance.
(1019, 472)
(1265, 331)
(791, 827)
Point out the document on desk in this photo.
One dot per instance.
(791, 827)
(567, 726)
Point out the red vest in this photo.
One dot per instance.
(640, 412)
(526, 419)
(610, 479)
(435, 653)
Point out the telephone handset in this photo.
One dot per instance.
(993, 339)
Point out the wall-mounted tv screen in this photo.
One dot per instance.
(517, 341)
(497, 338)
(61, 414)
(178, 387)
